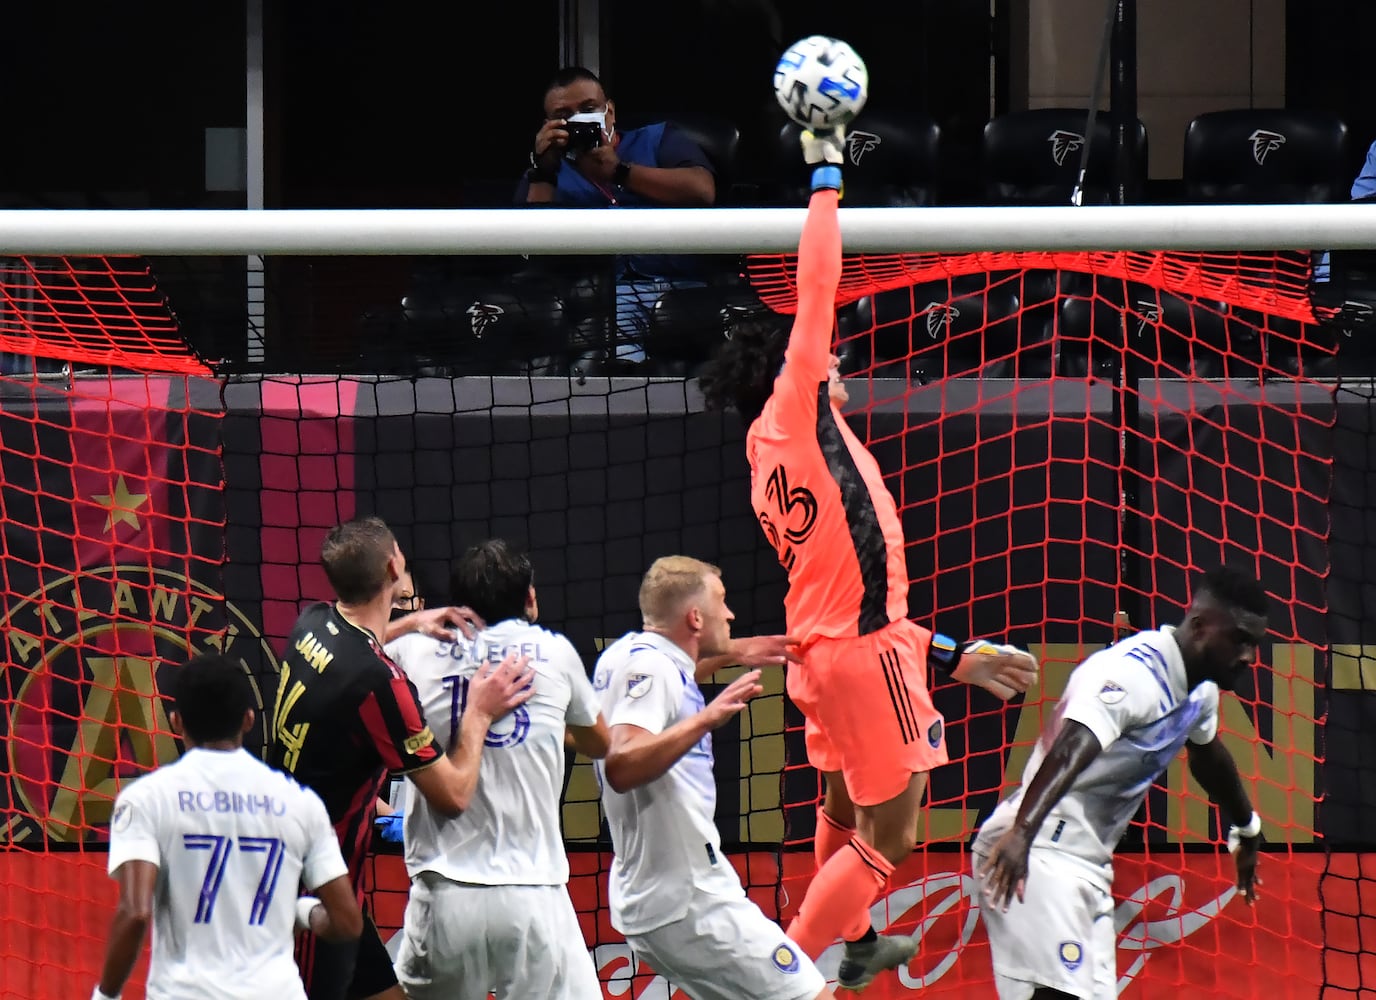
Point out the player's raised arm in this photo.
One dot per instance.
(819, 262)
(639, 755)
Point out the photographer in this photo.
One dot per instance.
(580, 160)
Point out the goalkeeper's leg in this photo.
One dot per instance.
(874, 733)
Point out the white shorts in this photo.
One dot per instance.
(724, 948)
(461, 941)
(1061, 936)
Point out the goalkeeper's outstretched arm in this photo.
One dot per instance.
(819, 264)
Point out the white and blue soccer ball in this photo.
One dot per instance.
(821, 82)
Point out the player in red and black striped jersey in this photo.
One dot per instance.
(346, 716)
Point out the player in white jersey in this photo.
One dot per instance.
(212, 849)
(1045, 856)
(489, 907)
(674, 895)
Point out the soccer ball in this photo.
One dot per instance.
(820, 82)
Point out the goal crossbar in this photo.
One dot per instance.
(706, 231)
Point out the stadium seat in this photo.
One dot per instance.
(718, 138)
(1266, 156)
(478, 327)
(1259, 156)
(687, 324)
(1169, 336)
(965, 326)
(1033, 158)
(892, 160)
(1346, 308)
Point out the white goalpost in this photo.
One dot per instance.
(707, 231)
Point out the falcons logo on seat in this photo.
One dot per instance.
(1264, 142)
(1063, 143)
(1149, 314)
(939, 317)
(860, 143)
(481, 316)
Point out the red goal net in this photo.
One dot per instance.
(1070, 438)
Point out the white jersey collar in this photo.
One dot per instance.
(670, 649)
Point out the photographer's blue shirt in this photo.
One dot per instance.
(658, 145)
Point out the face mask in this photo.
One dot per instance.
(591, 116)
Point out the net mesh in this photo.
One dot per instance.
(104, 311)
(1070, 438)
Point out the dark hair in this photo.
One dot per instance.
(212, 695)
(570, 75)
(742, 372)
(1234, 588)
(355, 556)
(494, 580)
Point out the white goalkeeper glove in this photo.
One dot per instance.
(1001, 669)
(824, 146)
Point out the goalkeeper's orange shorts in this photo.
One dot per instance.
(869, 713)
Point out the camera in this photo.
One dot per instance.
(583, 136)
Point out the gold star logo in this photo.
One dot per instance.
(121, 505)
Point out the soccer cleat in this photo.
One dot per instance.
(863, 961)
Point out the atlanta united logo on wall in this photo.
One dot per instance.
(87, 661)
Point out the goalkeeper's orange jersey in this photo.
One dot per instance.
(817, 491)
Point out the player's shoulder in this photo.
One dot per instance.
(322, 637)
(151, 786)
(638, 652)
(557, 642)
(310, 618)
(415, 648)
(1136, 649)
(1139, 662)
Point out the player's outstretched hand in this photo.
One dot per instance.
(495, 691)
(824, 146)
(734, 697)
(766, 651)
(1005, 870)
(1003, 671)
(1246, 852)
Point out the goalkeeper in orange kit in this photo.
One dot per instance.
(871, 728)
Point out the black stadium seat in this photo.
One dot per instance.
(1260, 156)
(892, 159)
(1033, 158)
(718, 138)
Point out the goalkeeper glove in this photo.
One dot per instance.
(822, 150)
(389, 827)
(824, 146)
(945, 653)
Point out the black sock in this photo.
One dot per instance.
(869, 937)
